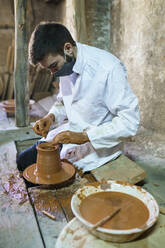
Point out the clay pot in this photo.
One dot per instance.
(48, 160)
(49, 169)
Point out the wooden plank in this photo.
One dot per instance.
(57, 203)
(122, 169)
(8, 130)
(8, 59)
(20, 66)
(1, 85)
(44, 199)
(6, 78)
(64, 196)
(10, 88)
(40, 95)
(18, 134)
(11, 68)
(18, 226)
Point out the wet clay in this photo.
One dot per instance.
(48, 160)
(133, 212)
(49, 169)
(45, 201)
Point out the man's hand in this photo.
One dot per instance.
(67, 137)
(42, 126)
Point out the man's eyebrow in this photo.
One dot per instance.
(52, 64)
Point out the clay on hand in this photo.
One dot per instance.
(69, 137)
(42, 126)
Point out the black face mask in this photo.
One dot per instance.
(67, 67)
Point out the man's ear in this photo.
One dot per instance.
(68, 49)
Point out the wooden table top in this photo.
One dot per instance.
(22, 223)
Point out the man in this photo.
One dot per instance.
(94, 96)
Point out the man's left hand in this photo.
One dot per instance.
(69, 137)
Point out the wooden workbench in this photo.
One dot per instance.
(22, 224)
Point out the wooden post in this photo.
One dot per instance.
(21, 64)
(80, 21)
(98, 23)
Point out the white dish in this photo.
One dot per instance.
(111, 234)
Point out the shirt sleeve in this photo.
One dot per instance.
(123, 105)
(58, 109)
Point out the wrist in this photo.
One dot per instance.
(85, 136)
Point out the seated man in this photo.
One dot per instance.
(94, 96)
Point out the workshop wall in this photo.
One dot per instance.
(138, 39)
(40, 81)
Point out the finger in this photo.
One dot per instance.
(58, 138)
(55, 141)
(36, 130)
(42, 125)
(44, 134)
(45, 125)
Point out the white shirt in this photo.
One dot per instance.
(101, 103)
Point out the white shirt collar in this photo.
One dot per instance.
(79, 64)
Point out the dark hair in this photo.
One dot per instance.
(48, 38)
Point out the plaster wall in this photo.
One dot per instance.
(138, 39)
(6, 30)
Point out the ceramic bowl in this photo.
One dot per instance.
(111, 234)
(9, 105)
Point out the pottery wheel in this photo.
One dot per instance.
(67, 172)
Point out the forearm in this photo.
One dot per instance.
(111, 133)
(69, 137)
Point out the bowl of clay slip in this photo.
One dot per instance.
(84, 210)
(49, 169)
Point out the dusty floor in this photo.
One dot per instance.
(148, 150)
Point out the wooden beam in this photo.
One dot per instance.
(18, 134)
(42, 200)
(8, 130)
(80, 20)
(20, 65)
(122, 169)
(18, 226)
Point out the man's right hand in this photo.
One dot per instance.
(42, 126)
